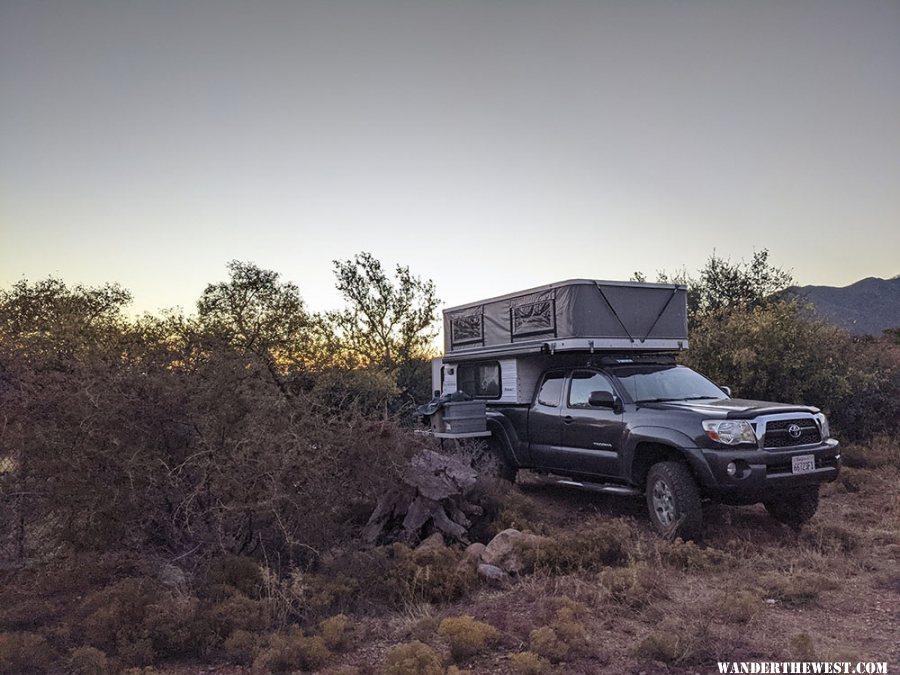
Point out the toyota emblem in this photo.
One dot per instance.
(794, 430)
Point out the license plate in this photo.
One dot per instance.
(803, 463)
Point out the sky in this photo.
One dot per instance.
(490, 145)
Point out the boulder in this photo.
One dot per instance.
(492, 575)
(435, 540)
(503, 550)
(473, 552)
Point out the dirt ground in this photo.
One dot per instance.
(760, 592)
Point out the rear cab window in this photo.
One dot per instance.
(550, 392)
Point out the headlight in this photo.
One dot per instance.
(730, 432)
(823, 426)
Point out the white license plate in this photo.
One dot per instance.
(803, 463)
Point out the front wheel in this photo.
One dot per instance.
(794, 508)
(673, 501)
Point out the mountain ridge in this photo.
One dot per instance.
(865, 307)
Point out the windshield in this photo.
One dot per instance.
(648, 384)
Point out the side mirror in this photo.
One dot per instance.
(727, 391)
(605, 399)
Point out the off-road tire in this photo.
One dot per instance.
(794, 508)
(671, 484)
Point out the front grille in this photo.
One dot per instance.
(777, 435)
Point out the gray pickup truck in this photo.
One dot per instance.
(623, 417)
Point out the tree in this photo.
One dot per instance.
(387, 323)
(259, 315)
(723, 284)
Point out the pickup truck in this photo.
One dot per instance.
(653, 427)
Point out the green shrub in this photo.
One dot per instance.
(466, 635)
(24, 653)
(412, 658)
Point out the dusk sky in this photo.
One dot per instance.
(490, 145)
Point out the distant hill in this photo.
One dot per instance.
(865, 308)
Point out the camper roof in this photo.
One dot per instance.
(578, 314)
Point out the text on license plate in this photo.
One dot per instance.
(803, 463)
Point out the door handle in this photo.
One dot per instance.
(567, 419)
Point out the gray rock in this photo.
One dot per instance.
(502, 549)
(473, 552)
(436, 540)
(493, 575)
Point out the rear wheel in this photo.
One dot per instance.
(673, 501)
(490, 461)
(794, 508)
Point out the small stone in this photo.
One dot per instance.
(770, 601)
(473, 552)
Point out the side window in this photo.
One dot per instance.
(551, 388)
(583, 383)
(479, 380)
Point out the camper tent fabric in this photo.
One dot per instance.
(625, 314)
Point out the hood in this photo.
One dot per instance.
(733, 408)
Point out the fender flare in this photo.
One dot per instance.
(679, 442)
(502, 429)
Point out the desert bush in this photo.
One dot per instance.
(595, 544)
(634, 585)
(112, 618)
(830, 538)
(466, 635)
(529, 663)
(238, 612)
(412, 658)
(335, 632)
(546, 643)
(568, 622)
(290, 651)
(795, 589)
(676, 641)
(687, 556)
(739, 606)
(881, 451)
(227, 573)
(89, 661)
(518, 511)
(241, 647)
(803, 647)
(24, 653)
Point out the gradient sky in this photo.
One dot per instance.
(490, 145)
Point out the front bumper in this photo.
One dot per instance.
(762, 472)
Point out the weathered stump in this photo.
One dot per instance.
(431, 498)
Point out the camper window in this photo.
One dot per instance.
(480, 380)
